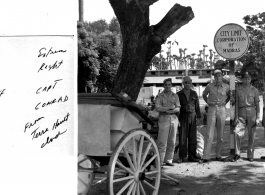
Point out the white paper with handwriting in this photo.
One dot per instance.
(37, 95)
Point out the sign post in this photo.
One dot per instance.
(231, 42)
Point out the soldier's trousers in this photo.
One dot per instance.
(166, 140)
(215, 114)
(246, 120)
(187, 135)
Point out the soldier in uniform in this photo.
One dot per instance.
(189, 111)
(167, 104)
(216, 95)
(263, 118)
(248, 117)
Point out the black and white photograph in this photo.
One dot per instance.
(170, 97)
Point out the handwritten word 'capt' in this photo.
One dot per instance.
(43, 50)
(51, 102)
(49, 140)
(47, 88)
(29, 124)
(57, 123)
(56, 65)
(2, 92)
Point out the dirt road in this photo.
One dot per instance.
(215, 178)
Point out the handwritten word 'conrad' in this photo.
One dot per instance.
(49, 140)
(47, 88)
(51, 102)
(56, 65)
(57, 123)
(2, 92)
(42, 52)
(35, 134)
(29, 124)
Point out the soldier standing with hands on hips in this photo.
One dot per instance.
(248, 117)
(167, 104)
(216, 95)
(189, 111)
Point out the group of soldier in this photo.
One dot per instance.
(179, 111)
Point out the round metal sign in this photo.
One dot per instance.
(231, 41)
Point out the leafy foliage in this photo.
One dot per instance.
(99, 54)
(254, 60)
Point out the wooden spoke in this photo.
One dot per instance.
(151, 172)
(142, 188)
(125, 168)
(131, 188)
(138, 189)
(117, 172)
(153, 187)
(128, 159)
(140, 151)
(134, 189)
(137, 162)
(123, 178)
(126, 186)
(148, 162)
(146, 152)
(134, 153)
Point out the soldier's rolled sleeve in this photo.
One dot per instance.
(158, 102)
(206, 90)
(177, 102)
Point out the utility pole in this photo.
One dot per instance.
(81, 10)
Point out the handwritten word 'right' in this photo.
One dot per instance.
(2, 92)
(52, 102)
(50, 67)
(49, 52)
(47, 88)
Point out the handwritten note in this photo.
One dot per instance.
(37, 94)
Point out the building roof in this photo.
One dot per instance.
(160, 79)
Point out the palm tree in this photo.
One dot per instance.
(211, 58)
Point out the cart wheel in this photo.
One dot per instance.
(131, 157)
(85, 176)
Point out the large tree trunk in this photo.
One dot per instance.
(141, 42)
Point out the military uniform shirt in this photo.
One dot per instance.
(164, 101)
(217, 94)
(247, 98)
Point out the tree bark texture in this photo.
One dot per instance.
(141, 42)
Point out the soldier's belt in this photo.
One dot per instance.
(247, 106)
(217, 105)
(167, 113)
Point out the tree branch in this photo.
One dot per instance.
(177, 17)
(144, 4)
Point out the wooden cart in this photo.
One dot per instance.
(111, 140)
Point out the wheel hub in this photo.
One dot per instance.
(141, 176)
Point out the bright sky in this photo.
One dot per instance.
(210, 15)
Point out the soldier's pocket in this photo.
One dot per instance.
(251, 98)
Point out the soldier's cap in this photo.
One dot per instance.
(186, 78)
(246, 75)
(217, 71)
(168, 79)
